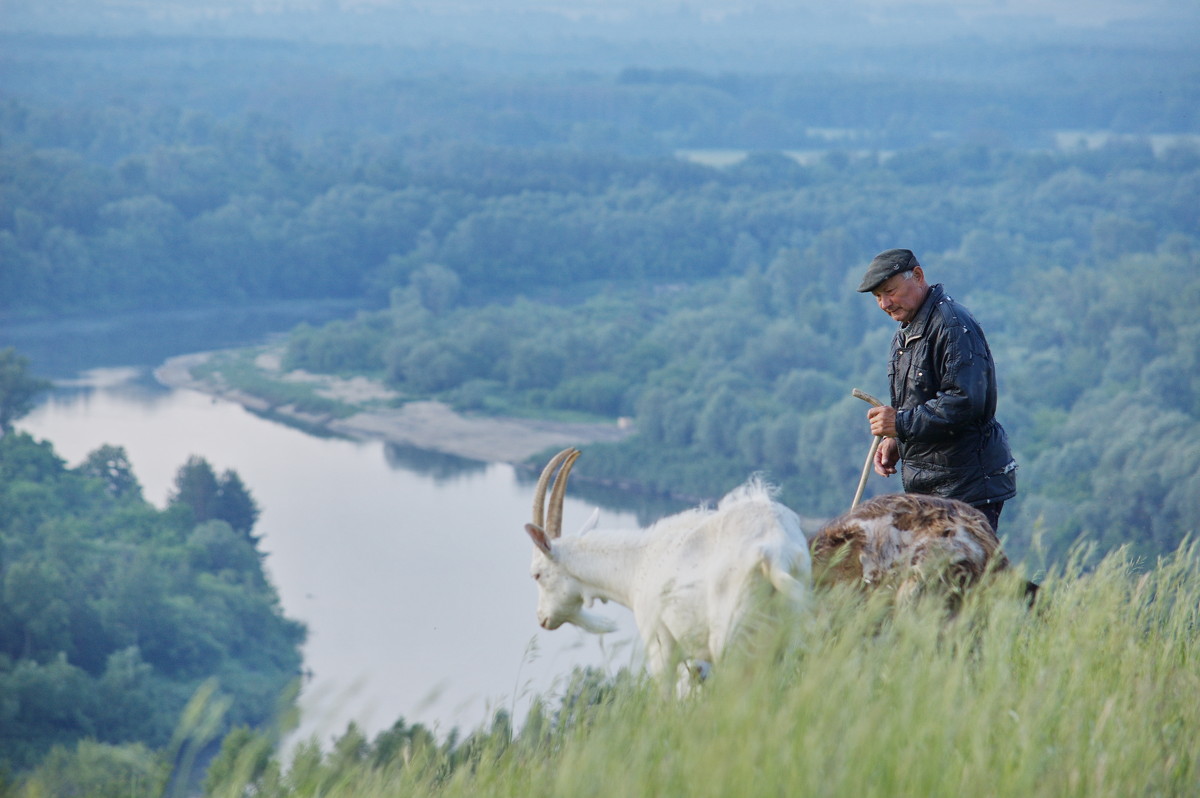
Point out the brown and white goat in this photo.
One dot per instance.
(909, 542)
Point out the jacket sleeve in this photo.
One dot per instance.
(960, 399)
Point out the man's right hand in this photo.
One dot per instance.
(887, 456)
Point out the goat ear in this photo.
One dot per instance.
(591, 522)
(538, 535)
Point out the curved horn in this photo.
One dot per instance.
(539, 494)
(557, 493)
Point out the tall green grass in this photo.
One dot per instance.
(1094, 692)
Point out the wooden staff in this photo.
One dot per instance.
(862, 481)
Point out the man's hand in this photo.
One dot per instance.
(883, 421)
(883, 424)
(886, 457)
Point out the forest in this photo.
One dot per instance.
(149, 173)
(673, 245)
(116, 615)
(530, 272)
(1087, 316)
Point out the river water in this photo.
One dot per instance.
(409, 568)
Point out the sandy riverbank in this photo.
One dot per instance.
(423, 424)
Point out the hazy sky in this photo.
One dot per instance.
(1089, 12)
(1076, 12)
(716, 34)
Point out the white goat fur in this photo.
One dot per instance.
(689, 579)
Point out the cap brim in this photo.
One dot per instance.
(868, 285)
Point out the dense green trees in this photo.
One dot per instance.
(351, 178)
(520, 270)
(203, 497)
(1088, 317)
(113, 613)
(344, 237)
(18, 388)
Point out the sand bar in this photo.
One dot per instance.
(424, 424)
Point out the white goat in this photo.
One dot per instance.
(689, 579)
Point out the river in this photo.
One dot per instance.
(409, 568)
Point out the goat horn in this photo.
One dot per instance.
(539, 494)
(557, 493)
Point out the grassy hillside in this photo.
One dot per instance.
(1093, 693)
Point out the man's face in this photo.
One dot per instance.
(900, 296)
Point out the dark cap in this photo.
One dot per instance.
(894, 261)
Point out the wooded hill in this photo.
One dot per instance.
(1094, 345)
(115, 614)
(531, 243)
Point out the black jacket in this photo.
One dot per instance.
(943, 384)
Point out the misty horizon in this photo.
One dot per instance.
(532, 25)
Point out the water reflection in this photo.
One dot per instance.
(410, 568)
(128, 383)
(646, 507)
(439, 466)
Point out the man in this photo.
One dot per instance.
(941, 423)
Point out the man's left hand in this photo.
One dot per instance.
(883, 421)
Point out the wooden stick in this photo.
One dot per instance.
(866, 397)
(866, 472)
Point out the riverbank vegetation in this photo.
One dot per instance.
(1087, 303)
(241, 371)
(115, 615)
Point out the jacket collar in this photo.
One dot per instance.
(916, 328)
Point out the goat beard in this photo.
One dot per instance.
(596, 624)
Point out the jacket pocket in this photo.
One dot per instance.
(925, 477)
